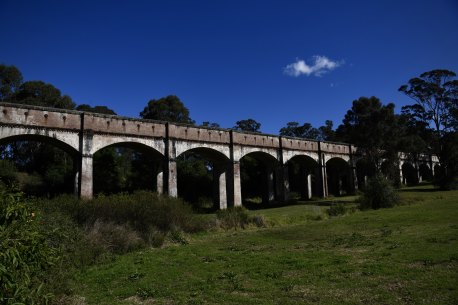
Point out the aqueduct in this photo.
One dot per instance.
(325, 167)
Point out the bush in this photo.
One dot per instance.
(379, 193)
(25, 255)
(337, 209)
(233, 218)
(149, 215)
(8, 173)
(113, 237)
(237, 218)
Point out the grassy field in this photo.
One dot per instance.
(404, 255)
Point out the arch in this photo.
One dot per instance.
(303, 173)
(202, 175)
(45, 170)
(289, 154)
(140, 166)
(208, 153)
(240, 152)
(409, 174)
(137, 146)
(338, 174)
(102, 141)
(330, 156)
(364, 170)
(259, 178)
(68, 144)
(186, 146)
(426, 173)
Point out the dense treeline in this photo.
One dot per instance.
(429, 125)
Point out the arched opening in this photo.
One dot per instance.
(127, 167)
(390, 169)
(258, 178)
(426, 173)
(409, 174)
(437, 171)
(202, 178)
(303, 177)
(338, 177)
(38, 165)
(364, 170)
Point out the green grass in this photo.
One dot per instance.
(404, 255)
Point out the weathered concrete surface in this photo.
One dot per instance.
(83, 134)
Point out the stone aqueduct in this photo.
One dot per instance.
(82, 134)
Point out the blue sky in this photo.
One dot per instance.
(273, 61)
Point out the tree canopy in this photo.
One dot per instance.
(10, 80)
(247, 125)
(95, 109)
(293, 129)
(372, 127)
(435, 117)
(169, 108)
(436, 96)
(39, 93)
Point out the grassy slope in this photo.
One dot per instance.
(404, 255)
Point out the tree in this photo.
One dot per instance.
(327, 132)
(373, 128)
(38, 93)
(293, 129)
(169, 109)
(416, 135)
(10, 81)
(436, 95)
(95, 109)
(247, 125)
(211, 125)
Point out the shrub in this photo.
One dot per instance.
(25, 255)
(379, 193)
(113, 237)
(238, 218)
(149, 215)
(233, 218)
(8, 172)
(337, 209)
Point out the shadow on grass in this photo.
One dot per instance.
(250, 205)
(421, 188)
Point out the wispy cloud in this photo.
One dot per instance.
(318, 66)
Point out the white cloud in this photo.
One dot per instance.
(318, 66)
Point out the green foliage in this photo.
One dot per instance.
(435, 93)
(39, 93)
(8, 172)
(25, 255)
(407, 254)
(143, 212)
(378, 193)
(337, 209)
(233, 218)
(237, 218)
(323, 133)
(194, 178)
(41, 168)
(169, 108)
(247, 125)
(293, 129)
(10, 80)
(436, 105)
(372, 127)
(95, 109)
